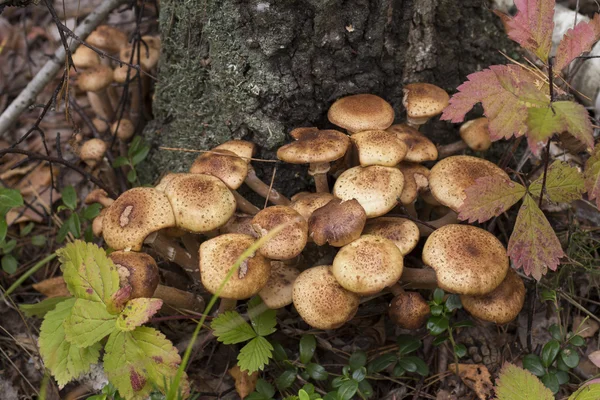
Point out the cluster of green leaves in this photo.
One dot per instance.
(72, 224)
(137, 152)
(231, 328)
(401, 360)
(9, 198)
(266, 391)
(136, 359)
(110, 392)
(439, 323)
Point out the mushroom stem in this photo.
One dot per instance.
(171, 251)
(263, 189)
(418, 278)
(410, 209)
(100, 103)
(451, 149)
(396, 289)
(244, 205)
(192, 246)
(319, 173)
(226, 305)
(450, 218)
(179, 298)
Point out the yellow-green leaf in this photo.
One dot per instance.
(587, 392)
(564, 183)
(88, 323)
(592, 176)
(230, 328)
(517, 383)
(255, 355)
(490, 196)
(137, 312)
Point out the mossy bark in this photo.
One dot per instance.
(256, 69)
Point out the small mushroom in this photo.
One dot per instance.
(98, 196)
(92, 152)
(423, 101)
(309, 202)
(108, 39)
(140, 271)
(277, 293)
(338, 223)
(124, 129)
(379, 148)
(95, 81)
(84, 57)
(288, 243)
(361, 112)
(475, 136)
(408, 310)
(420, 148)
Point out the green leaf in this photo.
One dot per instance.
(308, 345)
(549, 352)
(89, 323)
(533, 364)
(316, 372)
(9, 264)
(230, 328)
(265, 388)
(533, 244)
(64, 360)
(467, 323)
(140, 154)
(437, 325)
(134, 146)
(398, 370)
(564, 183)
(577, 340)
(255, 355)
(42, 308)
(436, 310)
(9, 246)
(131, 176)
(38, 240)
(549, 295)
(562, 377)
(460, 350)
(587, 392)
(120, 161)
(286, 379)
(27, 229)
(357, 360)
(263, 318)
(74, 225)
(591, 173)
(422, 368)
(69, 197)
(62, 232)
(438, 296)
(359, 374)
(407, 344)
(439, 340)
(407, 364)
(137, 312)
(137, 361)
(10, 198)
(365, 388)
(347, 390)
(576, 121)
(542, 122)
(516, 383)
(569, 357)
(3, 228)
(279, 353)
(489, 197)
(453, 302)
(381, 363)
(551, 382)
(91, 211)
(88, 272)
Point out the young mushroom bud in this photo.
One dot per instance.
(108, 39)
(408, 310)
(123, 129)
(423, 101)
(92, 152)
(475, 136)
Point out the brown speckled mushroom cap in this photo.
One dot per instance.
(92, 151)
(277, 293)
(420, 148)
(466, 259)
(379, 148)
(338, 223)
(361, 112)
(124, 129)
(120, 74)
(243, 148)
(84, 57)
(315, 147)
(368, 265)
(218, 255)
(416, 179)
(449, 178)
(476, 135)
(223, 164)
(501, 305)
(95, 78)
(376, 188)
(200, 202)
(148, 57)
(403, 232)
(423, 101)
(165, 180)
(239, 223)
(134, 215)
(297, 133)
(321, 301)
(409, 310)
(107, 38)
(307, 203)
(141, 272)
(288, 243)
(152, 41)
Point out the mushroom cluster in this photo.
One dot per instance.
(377, 169)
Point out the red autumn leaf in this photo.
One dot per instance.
(576, 41)
(490, 196)
(592, 176)
(506, 92)
(531, 26)
(533, 244)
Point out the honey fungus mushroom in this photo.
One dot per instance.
(338, 223)
(140, 272)
(361, 112)
(423, 101)
(288, 243)
(408, 310)
(379, 148)
(277, 292)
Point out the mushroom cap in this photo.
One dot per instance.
(200, 202)
(277, 292)
(239, 223)
(315, 147)
(361, 112)
(124, 129)
(338, 223)
(134, 215)
(368, 265)
(297, 133)
(107, 38)
(223, 164)
(92, 151)
(307, 203)
(84, 57)
(416, 179)
(142, 272)
(148, 57)
(218, 255)
(420, 148)
(409, 310)
(166, 179)
(120, 75)
(423, 101)
(403, 232)
(100, 125)
(321, 301)
(95, 78)
(290, 241)
(501, 305)
(476, 134)
(152, 41)
(97, 223)
(376, 188)
(466, 259)
(449, 178)
(243, 148)
(379, 148)
(98, 196)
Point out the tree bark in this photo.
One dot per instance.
(256, 69)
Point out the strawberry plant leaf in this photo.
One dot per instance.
(42, 308)
(517, 383)
(531, 26)
(564, 183)
(490, 196)
(139, 360)
(137, 312)
(230, 328)
(65, 360)
(576, 121)
(576, 41)
(533, 244)
(263, 318)
(88, 323)
(255, 355)
(591, 174)
(506, 92)
(587, 392)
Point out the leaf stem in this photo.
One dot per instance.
(27, 274)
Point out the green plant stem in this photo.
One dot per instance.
(453, 343)
(31, 271)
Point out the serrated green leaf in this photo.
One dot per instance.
(255, 355)
(88, 323)
(88, 272)
(308, 345)
(490, 196)
(137, 312)
(564, 183)
(9, 264)
(64, 360)
(533, 244)
(69, 197)
(263, 318)
(10, 198)
(517, 383)
(42, 308)
(587, 392)
(230, 328)
(137, 361)
(591, 174)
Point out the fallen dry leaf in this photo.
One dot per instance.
(52, 287)
(585, 329)
(476, 377)
(244, 383)
(595, 358)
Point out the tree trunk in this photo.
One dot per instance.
(256, 69)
